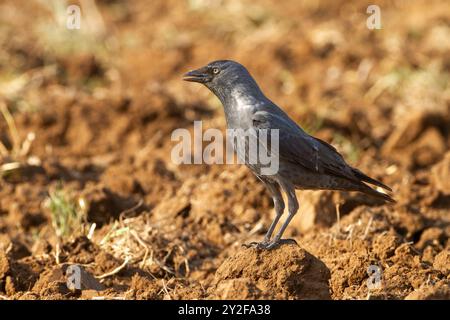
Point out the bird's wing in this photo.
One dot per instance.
(297, 147)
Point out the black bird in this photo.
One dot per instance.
(305, 162)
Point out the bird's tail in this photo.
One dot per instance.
(368, 190)
(374, 193)
(370, 180)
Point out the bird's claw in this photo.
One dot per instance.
(276, 243)
(269, 245)
(257, 245)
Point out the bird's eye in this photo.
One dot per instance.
(216, 70)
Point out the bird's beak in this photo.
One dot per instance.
(199, 75)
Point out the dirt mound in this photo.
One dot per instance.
(377, 240)
(18, 276)
(288, 272)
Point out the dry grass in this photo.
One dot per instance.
(14, 157)
(139, 242)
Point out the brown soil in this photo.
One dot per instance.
(101, 104)
(287, 273)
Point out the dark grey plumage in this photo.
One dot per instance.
(305, 162)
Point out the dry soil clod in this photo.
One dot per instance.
(287, 272)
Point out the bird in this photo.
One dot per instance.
(305, 162)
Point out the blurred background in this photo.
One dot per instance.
(87, 114)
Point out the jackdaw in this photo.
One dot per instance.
(305, 162)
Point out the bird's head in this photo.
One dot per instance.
(218, 74)
(228, 80)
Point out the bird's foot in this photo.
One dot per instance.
(257, 245)
(268, 245)
(276, 243)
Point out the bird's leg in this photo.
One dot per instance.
(293, 208)
(279, 206)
